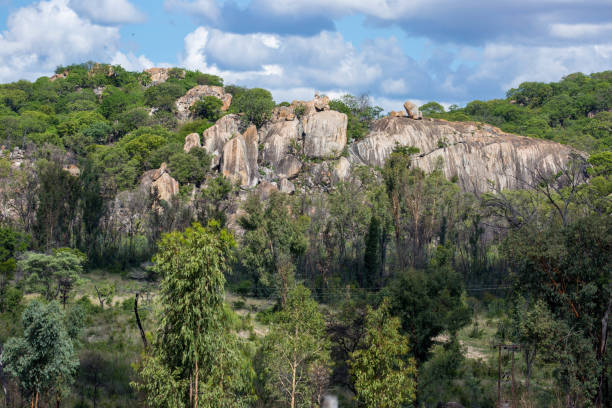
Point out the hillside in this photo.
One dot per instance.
(172, 232)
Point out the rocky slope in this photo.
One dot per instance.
(307, 148)
(481, 156)
(304, 145)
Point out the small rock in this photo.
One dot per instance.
(286, 186)
(342, 169)
(73, 170)
(265, 189)
(288, 167)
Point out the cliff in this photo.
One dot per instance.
(480, 156)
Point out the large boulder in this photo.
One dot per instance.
(239, 162)
(325, 134)
(191, 140)
(277, 138)
(160, 181)
(215, 137)
(195, 94)
(481, 156)
(412, 110)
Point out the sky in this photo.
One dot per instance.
(394, 50)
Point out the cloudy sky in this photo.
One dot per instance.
(444, 50)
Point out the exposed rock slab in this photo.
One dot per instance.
(277, 138)
(239, 162)
(325, 134)
(191, 140)
(195, 94)
(215, 137)
(480, 156)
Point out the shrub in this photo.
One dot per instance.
(209, 107)
(256, 104)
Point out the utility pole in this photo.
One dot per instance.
(513, 348)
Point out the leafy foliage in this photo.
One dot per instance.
(385, 376)
(43, 360)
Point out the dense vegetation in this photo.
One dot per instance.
(389, 290)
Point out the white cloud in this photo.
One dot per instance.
(132, 62)
(578, 31)
(510, 64)
(108, 11)
(44, 35)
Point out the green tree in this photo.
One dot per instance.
(256, 104)
(429, 302)
(295, 346)
(194, 347)
(569, 268)
(53, 275)
(209, 108)
(431, 108)
(385, 375)
(58, 197)
(371, 257)
(274, 239)
(11, 244)
(43, 360)
(164, 96)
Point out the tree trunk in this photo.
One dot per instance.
(293, 374)
(142, 332)
(195, 399)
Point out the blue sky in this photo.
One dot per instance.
(394, 50)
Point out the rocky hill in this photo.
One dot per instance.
(305, 146)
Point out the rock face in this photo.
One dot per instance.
(161, 181)
(477, 154)
(195, 94)
(191, 140)
(215, 137)
(412, 110)
(325, 134)
(239, 161)
(277, 139)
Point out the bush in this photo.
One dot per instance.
(164, 96)
(209, 107)
(257, 105)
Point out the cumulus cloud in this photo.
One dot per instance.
(132, 62)
(467, 22)
(294, 67)
(108, 11)
(47, 34)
